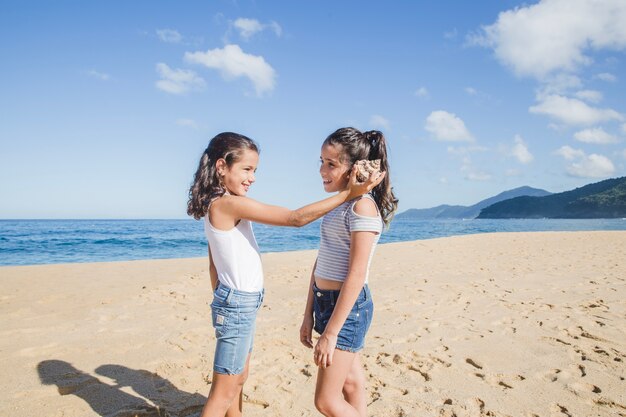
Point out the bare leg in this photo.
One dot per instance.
(222, 399)
(236, 407)
(329, 398)
(354, 387)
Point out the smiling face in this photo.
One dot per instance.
(334, 171)
(240, 175)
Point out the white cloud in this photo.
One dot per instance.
(232, 62)
(586, 166)
(177, 81)
(591, 96)
(554, 35)
(624, 128)
(447, 127)
(444, 180)
(98, 75)
(379, 122)
(187, 123)
(573, 111)
(512, 172)
(569, 153)
(520, 151)
(596, 135)
(169, 35)
(560, 83)
(592, 166)
(471, 91)
(247, 28)
(422, 92)
(605, 76)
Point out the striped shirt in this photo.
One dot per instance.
(334, 254)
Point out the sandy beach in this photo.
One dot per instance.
(506, 324)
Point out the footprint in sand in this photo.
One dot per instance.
(554, 375)
(474, 363)
(618, 355)
(583, 388)
(424, 375)
(556, 339)
(607, 402)
(558, 410)
(304, 371)
(254, 401)
(474, 407)
(374, 396)
(499, 380)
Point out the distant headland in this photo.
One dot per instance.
(604, 199)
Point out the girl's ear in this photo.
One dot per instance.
(220, 166)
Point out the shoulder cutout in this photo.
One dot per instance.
(366, 207)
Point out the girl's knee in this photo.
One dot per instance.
(354, 384)
(325, 404)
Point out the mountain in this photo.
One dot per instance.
(464, 212)
(604, 199)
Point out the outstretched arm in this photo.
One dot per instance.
(247, 208)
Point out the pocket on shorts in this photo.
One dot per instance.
(221, 318)
(364, 298)
(321, 314)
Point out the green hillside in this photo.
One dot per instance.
(604, 199)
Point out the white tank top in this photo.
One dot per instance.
(236, 256)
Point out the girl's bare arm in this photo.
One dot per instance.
(307, 321)
(212, 271)
(246, 208)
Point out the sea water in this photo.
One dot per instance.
(27, 242)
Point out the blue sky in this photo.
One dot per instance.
(105, 107)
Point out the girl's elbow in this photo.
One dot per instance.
(296, 219)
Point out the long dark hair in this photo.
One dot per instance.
(368, 145)
(206, 182)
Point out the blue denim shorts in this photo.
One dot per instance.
(351, 337)
(234, 318)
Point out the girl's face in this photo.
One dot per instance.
(334, 172)
(240, 175)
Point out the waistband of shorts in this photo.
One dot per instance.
(334, 294)
(243, 294)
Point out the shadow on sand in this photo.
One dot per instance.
(156, 396)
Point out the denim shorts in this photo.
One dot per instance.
(234, 318)
(351, 337)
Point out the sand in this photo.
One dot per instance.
(506, 324)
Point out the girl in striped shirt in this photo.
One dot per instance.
(339, 304)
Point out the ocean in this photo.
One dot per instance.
(29, 242)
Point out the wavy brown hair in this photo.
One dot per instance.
(368, 145)
(206, 183)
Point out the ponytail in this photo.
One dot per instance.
(369, 145)
(383, 192)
